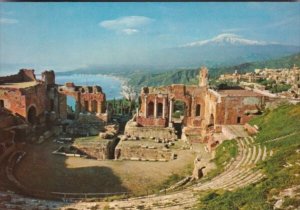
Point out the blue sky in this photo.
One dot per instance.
(66, 36)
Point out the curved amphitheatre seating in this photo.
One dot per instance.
(238, 173)
(13, 159)
(242, 171)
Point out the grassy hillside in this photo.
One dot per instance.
(280, 132)
(190, 76)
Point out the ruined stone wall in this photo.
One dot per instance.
(56, 103)
(62, 106)
(101, 149)
(11, 78)
(24, 75)
(36, 96)
(28, 75)
(19, 99)
(159, 122)
(242, 107)
(94, 97)
(147, 132)
(7, 119)
(14, 101)
(88, 99)
(191, 95)
(211, 109)
(129, 151)
(99, 152)
(48, 77)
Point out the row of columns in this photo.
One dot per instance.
(193, 111)
(163, 109)
(89, 108)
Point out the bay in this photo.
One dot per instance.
(111, 86)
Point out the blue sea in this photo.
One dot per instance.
(111, 86)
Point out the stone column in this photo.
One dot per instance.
(77, 105)
(155, 107)
(90, 106)
(137, 112)
(170, 113)
(77, 109)
(99, 107)
(164, 107)
(193, 107)
(146, 106)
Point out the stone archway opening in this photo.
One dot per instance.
(150, 109)
(31, 115)
(71, 106)
(179, 110)
(1, 103)
(94, 106)
(159, 110)
(198, 110)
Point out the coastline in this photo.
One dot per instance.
(126, 90)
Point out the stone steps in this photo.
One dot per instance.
(259, 155)
(240, 172)
(265, 153)
(240, 179)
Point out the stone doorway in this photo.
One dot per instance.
(179, 109)
(211, 121)
(159, 110)
(150, 109)
(31, 115)
(71, 106)
(1, 103)
(178, 116)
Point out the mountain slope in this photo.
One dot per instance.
(226, 38)
(224, 49)
(190, 76)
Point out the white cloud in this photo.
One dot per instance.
(230, 30)
(8, 21)
(130, 31)
(128, 25)
(288, 21)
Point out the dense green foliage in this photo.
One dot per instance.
(190, 76)
(185, 76)
(282, 123)
(225, 152)
(122, 106)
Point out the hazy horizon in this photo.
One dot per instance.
(68, 36)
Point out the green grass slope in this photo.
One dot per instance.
(280, 132)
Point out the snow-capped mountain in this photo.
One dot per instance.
(226, 39)
(224, 49)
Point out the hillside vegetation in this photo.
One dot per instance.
(280, 132)
(190, 76)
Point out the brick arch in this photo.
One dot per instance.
(186, 101)
(150, 111)
(159, 109)
(32, 114)
(198, 110)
